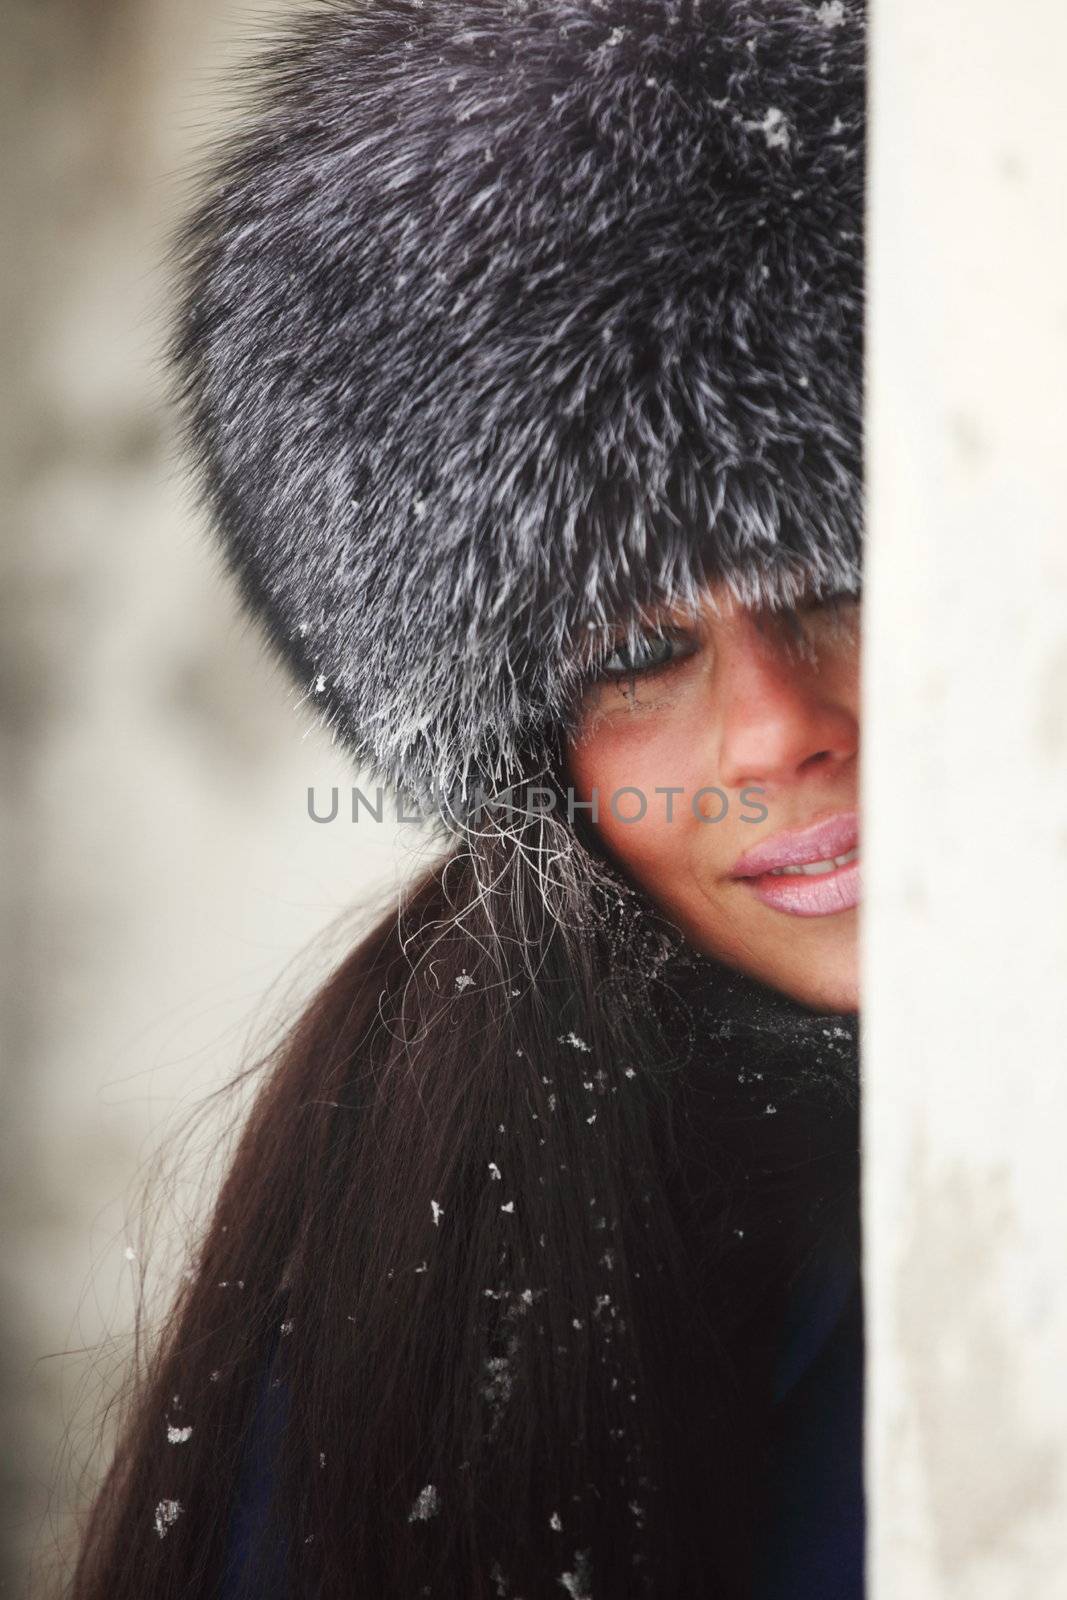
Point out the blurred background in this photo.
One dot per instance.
(167, 900)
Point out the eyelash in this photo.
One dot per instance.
(836, 599)
(829, 604)
(604, 674)
(837, 610)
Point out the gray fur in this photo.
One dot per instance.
(503, 317)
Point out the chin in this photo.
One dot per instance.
(823, 980)
(833, 987)
(816, 962)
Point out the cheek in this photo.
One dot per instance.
(631, 751)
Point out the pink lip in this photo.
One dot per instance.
(797, 895)
(833, 836)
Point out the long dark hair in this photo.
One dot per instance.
(489, 1289)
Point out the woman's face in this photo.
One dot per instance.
(729, 702)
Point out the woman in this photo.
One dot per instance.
(521, 349)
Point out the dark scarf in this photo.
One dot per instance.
(763, 1163)
(767, 1101)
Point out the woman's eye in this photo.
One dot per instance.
(653, 652)
(838, 600)
(829, 619)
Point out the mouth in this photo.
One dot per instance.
(806, 872)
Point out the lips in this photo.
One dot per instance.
(822, 841)
(806, 872)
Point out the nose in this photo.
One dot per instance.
(783, 717)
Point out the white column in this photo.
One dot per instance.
(965, 803)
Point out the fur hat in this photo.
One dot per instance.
(502, 318)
